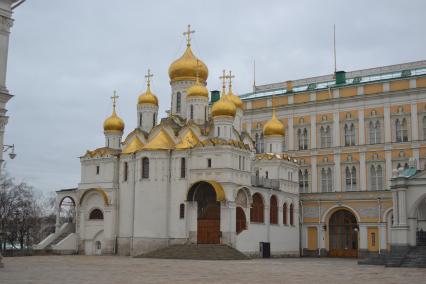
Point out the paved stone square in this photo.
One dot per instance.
(114, 269)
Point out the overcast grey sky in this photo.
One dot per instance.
(67, 56)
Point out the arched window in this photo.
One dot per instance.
(350, 177)
(285, 219)
(401, 130)
(322, 137)
(257, 209)
(205, 113)
(376, 177)
(140, 119)
(273, 210)
(191, 112)
(291, 214)
(182, 211)
(182, 167)
(374, 132)
(302, 137)
(154, 119)
(303, 181)
(96, 214)
(326, 180)
(261, 143)
(349, 134)
(178, 101)
(126, 171)
(145, 167)
(379, 173)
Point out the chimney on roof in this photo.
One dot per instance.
(289, 86)
(340, 77)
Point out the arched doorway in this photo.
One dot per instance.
(343, 234)
(241, 220)
(208, 195)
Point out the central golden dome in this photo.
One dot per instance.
(273, 127)
(113, 123)
(187, 66)
(224, 107)
(148, 97)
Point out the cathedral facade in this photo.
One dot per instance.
(304, 166)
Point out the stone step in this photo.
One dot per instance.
(194, 251)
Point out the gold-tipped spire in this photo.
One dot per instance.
(273, 127)
(114, 123)
(233, 98)
(148, 97)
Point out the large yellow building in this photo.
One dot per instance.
(348, 130)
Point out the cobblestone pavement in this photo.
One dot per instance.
(114, 269)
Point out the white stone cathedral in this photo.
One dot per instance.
(188, 178)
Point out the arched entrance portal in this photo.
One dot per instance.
(208, 195)
(343, 234)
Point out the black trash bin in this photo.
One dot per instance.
(265, 249)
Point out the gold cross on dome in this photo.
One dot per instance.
(188, 35)
(230, 77)
(148, 77)
(114, 99)
(223, 78)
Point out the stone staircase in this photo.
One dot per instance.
(416, 257)
(197, 251)
(58, 239)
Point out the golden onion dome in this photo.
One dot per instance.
(235, 99)
(113, 123)
(148, 97)
(187, 67)
(224, 107)
(197, 90)
(273, 127)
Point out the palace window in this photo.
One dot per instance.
(374, 132)
(350, 178)
(257, 209)
(291, 214)
(182, 167)
(303, 181)
(191, 114)
(349, 134)
(145, 167)
(325, 136)
(96, 214)
(376, 177)
(401, 130)
(273, 210)
(182, 211)
(326, 180)
(285, 221)
(126, 171)
(178, 101)
(302, 137)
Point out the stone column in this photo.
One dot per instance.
(402, 208)
(362, 172)
(290, 134)
(314, 177)
(361, 127)
(414, 123)
(336, 129)
(387, 124)
(388, 165)
(313, 131)
(395, 208)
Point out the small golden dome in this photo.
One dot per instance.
(235, 99)
(148, 97)
(224, 107)
(197, 90)
(114, 123)
(273, 127)
(187, 67)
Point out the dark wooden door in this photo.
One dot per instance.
(343, 234)
(208, 225)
